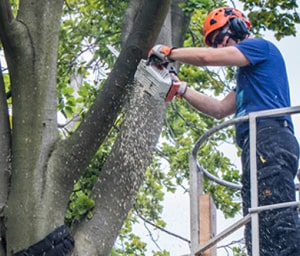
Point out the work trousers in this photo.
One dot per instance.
(277, 157)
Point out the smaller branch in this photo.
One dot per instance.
(160, 228)
(241, 241)
(151, 235)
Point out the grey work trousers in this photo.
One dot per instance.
(277, 163)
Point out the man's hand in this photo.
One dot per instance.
(160, 53)
(178, 89)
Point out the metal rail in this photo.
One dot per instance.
(196, 182)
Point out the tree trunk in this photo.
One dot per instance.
(31, 43)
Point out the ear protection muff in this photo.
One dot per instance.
(222, 18)
(238, 28)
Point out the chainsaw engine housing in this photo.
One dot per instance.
(155, 80)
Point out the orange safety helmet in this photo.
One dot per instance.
(218, 18)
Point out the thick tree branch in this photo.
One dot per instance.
(129, 18)
(86, 140)
(122, 174)
(180, 22)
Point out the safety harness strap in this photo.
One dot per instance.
(57, 243)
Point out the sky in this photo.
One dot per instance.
(176, 212)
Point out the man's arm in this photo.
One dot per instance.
(201, 56)
(211, 106)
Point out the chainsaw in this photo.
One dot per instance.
(157, 79)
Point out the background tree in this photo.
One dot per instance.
(96, 169)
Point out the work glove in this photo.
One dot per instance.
(177, 89)
(160, 54)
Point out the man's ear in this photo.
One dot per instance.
(239, 28)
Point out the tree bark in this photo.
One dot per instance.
(122, 174)
(5, 158)
(30, 42)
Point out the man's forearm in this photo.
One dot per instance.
(211, 106)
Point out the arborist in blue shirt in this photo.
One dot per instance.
(262, 84)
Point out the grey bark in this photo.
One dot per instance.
(5, 158)
(122, 175)
(30, 42)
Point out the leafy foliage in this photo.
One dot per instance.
(278, 16)
(239, 251)
(87, 31)
(81, 205)
(191, 6)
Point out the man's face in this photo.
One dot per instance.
(220, 38)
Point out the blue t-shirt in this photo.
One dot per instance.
(261, 85)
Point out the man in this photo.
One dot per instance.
(262, 84)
